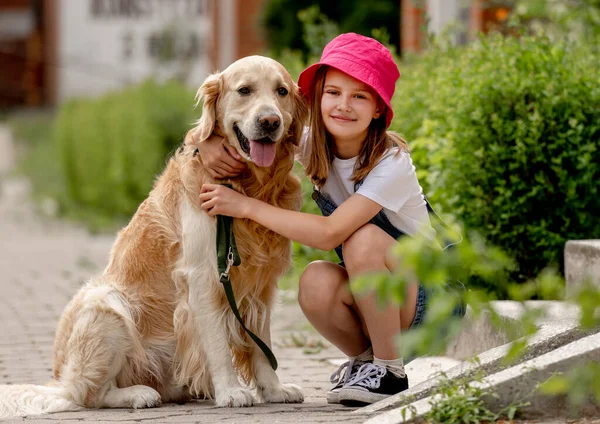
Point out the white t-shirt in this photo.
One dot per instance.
(392, 183)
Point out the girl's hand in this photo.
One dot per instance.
(220, 158)
(220, 200)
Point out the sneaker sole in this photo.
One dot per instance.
(333, 397)
(352, 397)
(354, 403)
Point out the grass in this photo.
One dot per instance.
(460, 402)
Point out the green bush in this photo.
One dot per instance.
(110, 149)
(505, 133)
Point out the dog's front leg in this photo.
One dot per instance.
(212, 331)
(199, 265)
(267, 383)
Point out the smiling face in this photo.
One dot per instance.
(347, 107)
(255, 107)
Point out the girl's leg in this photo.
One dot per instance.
(328, 304)
(367, 251)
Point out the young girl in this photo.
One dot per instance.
(368, 193)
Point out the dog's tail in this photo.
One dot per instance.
(28, 399)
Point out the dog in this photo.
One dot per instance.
(155, 326)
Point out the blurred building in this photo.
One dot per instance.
(21, 54)
(466, 18)
(51, 50)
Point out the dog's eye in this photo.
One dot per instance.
(282, 91)
(244, 91)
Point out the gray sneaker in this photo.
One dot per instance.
(341, 377)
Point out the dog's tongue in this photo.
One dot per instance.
(262, 154)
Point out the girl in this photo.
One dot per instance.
(368, 193)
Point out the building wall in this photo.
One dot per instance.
(225, 34)
(21, 54)
(411, 36)
(442, 13)
(105, 44)
(250, 38)
(236, 31)
(468, 18)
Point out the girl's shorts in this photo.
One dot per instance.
(457, 289)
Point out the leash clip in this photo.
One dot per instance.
(230, 261)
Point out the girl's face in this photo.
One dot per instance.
(347, 107)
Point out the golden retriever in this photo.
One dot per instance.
(155, 326)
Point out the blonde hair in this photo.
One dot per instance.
(378, 140)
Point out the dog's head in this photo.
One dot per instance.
(256, 105)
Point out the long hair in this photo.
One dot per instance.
(378, 140)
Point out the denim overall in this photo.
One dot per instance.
(327, 206)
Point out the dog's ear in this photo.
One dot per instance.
(208, 94)
(300, 115)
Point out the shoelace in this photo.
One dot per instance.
(369, 376)
(346, 367)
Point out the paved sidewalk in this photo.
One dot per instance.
(44, 262)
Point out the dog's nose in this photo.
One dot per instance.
(269, 122)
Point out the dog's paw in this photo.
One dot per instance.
(143, 397)
(234, 397)
(283, 393)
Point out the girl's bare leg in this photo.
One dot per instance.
(366, 251)
(329, 306)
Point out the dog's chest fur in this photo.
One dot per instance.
(265, 255)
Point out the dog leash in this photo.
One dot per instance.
(228, 256)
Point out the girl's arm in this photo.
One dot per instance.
(316, 231)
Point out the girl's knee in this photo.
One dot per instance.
(317, 286)
(367, 246)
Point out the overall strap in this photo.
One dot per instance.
(228, 256)
(381, 217)
(441, 221)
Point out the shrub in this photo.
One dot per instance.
(35, 155)
(507, 131)
(110, 149)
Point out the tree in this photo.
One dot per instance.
(284, 29)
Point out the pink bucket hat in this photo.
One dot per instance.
(363, 58)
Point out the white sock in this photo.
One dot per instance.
(395, 366)
(366, 356)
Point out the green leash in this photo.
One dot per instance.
(228, 256)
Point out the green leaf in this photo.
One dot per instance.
(555, 385)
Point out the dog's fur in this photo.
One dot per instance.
(155, 325)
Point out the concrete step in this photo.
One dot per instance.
(558, 326)
(518, 383)
(582, 261)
